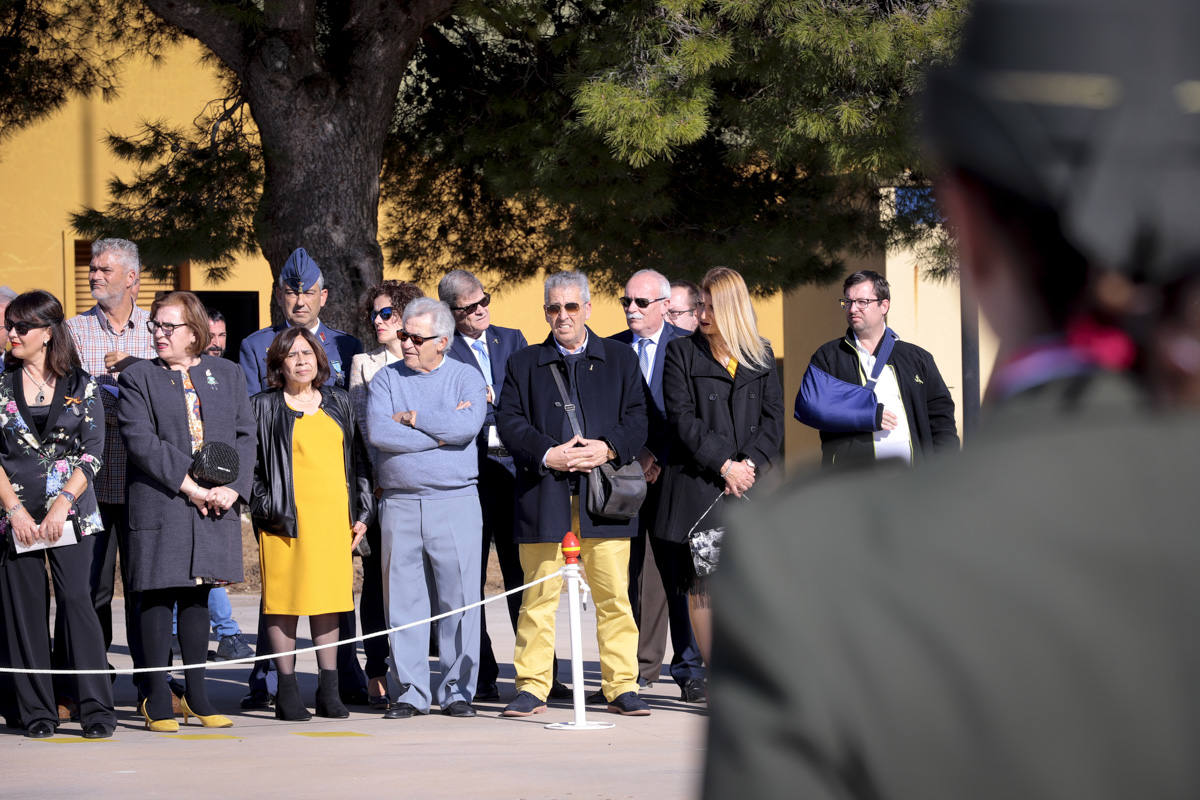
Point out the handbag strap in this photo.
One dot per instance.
(696, 524)
(885, 352)
(568, 406)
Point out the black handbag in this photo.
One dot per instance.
(614, 493)
(215, 464)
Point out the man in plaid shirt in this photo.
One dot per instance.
(109, 336)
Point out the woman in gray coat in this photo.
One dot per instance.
(184, 536)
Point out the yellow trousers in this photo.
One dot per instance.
(606, 564)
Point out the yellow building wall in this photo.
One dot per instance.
(61, 164)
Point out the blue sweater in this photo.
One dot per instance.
(411, 460)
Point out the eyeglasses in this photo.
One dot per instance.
(22, 328)
(676, 313)
(404, 336)
(861, 304)
(385, 313)
(168, 328)
(642, 302)
(470, 308)
(554, 308)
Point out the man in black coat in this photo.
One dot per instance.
(606, 390)
(645, 304)
(915, 414)
(1016, 620)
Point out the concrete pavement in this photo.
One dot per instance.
(659, 756)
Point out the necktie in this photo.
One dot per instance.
(485, 363)
(644, 358)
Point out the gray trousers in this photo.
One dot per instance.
(438, 539)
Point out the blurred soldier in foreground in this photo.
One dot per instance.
(1015, 621)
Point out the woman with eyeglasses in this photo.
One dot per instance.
(384, 308)
(725, 408)
(51, 441)
(312, 503)
(185, 533)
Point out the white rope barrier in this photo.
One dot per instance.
(251, 659)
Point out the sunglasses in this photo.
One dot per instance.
(642, 302)
(470, 309)
(554, 308)
(168, 328)
(22, 328)
(404, 336)
(385, 314)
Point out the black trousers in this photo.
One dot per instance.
(371, 613)
(497, 499)
(24, 594)
(102, 578)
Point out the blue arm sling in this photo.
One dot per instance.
(836, 406)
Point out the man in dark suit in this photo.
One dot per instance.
(604, 387)
(480, 344)
(301, 294)
(1015, 620)
(645, 302)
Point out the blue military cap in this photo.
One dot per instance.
(300, 273)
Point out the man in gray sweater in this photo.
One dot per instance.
(423, 416)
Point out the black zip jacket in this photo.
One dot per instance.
(927, 402)
(272, 504)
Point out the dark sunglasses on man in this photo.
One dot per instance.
(404, 336)
(470, 309)
(554, 308)
(642, 302)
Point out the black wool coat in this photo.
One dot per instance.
(713, 417)
(170, 543)
(530, 419)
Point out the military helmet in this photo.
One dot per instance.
(1090, 108)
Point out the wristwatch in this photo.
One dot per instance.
(752, 465)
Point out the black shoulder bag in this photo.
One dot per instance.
(613, 493)
(215, 464)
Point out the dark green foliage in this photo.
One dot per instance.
(676, 135)
(52, 50)
(194, 195)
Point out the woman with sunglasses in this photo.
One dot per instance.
(185, 534)
(312, 503)
(51, 440)
(725, 408)
(384, 308)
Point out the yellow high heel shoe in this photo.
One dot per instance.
(157, 725)
(209, 721)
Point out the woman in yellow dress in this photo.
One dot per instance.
(311, 503)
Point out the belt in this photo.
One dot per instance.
(498, 452)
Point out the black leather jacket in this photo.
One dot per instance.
(272, 504)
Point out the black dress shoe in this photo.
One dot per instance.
(400, 711)
(97, 730)
(40, 729)
(487, 692)
(560, 691)
(693, 691)
(258, 701)
(459, 708)
(596, 698)
(356, 697)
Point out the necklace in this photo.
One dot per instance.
(40, 397)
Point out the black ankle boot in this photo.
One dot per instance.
(328, 702)
(288, 704)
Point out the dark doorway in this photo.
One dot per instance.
(241, 316)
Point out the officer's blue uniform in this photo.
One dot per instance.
(340, 347)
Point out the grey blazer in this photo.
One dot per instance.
(170, 542)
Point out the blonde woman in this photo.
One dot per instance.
(725, 409)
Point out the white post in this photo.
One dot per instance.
(571, 572)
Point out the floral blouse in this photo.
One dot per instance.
(38, 466)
